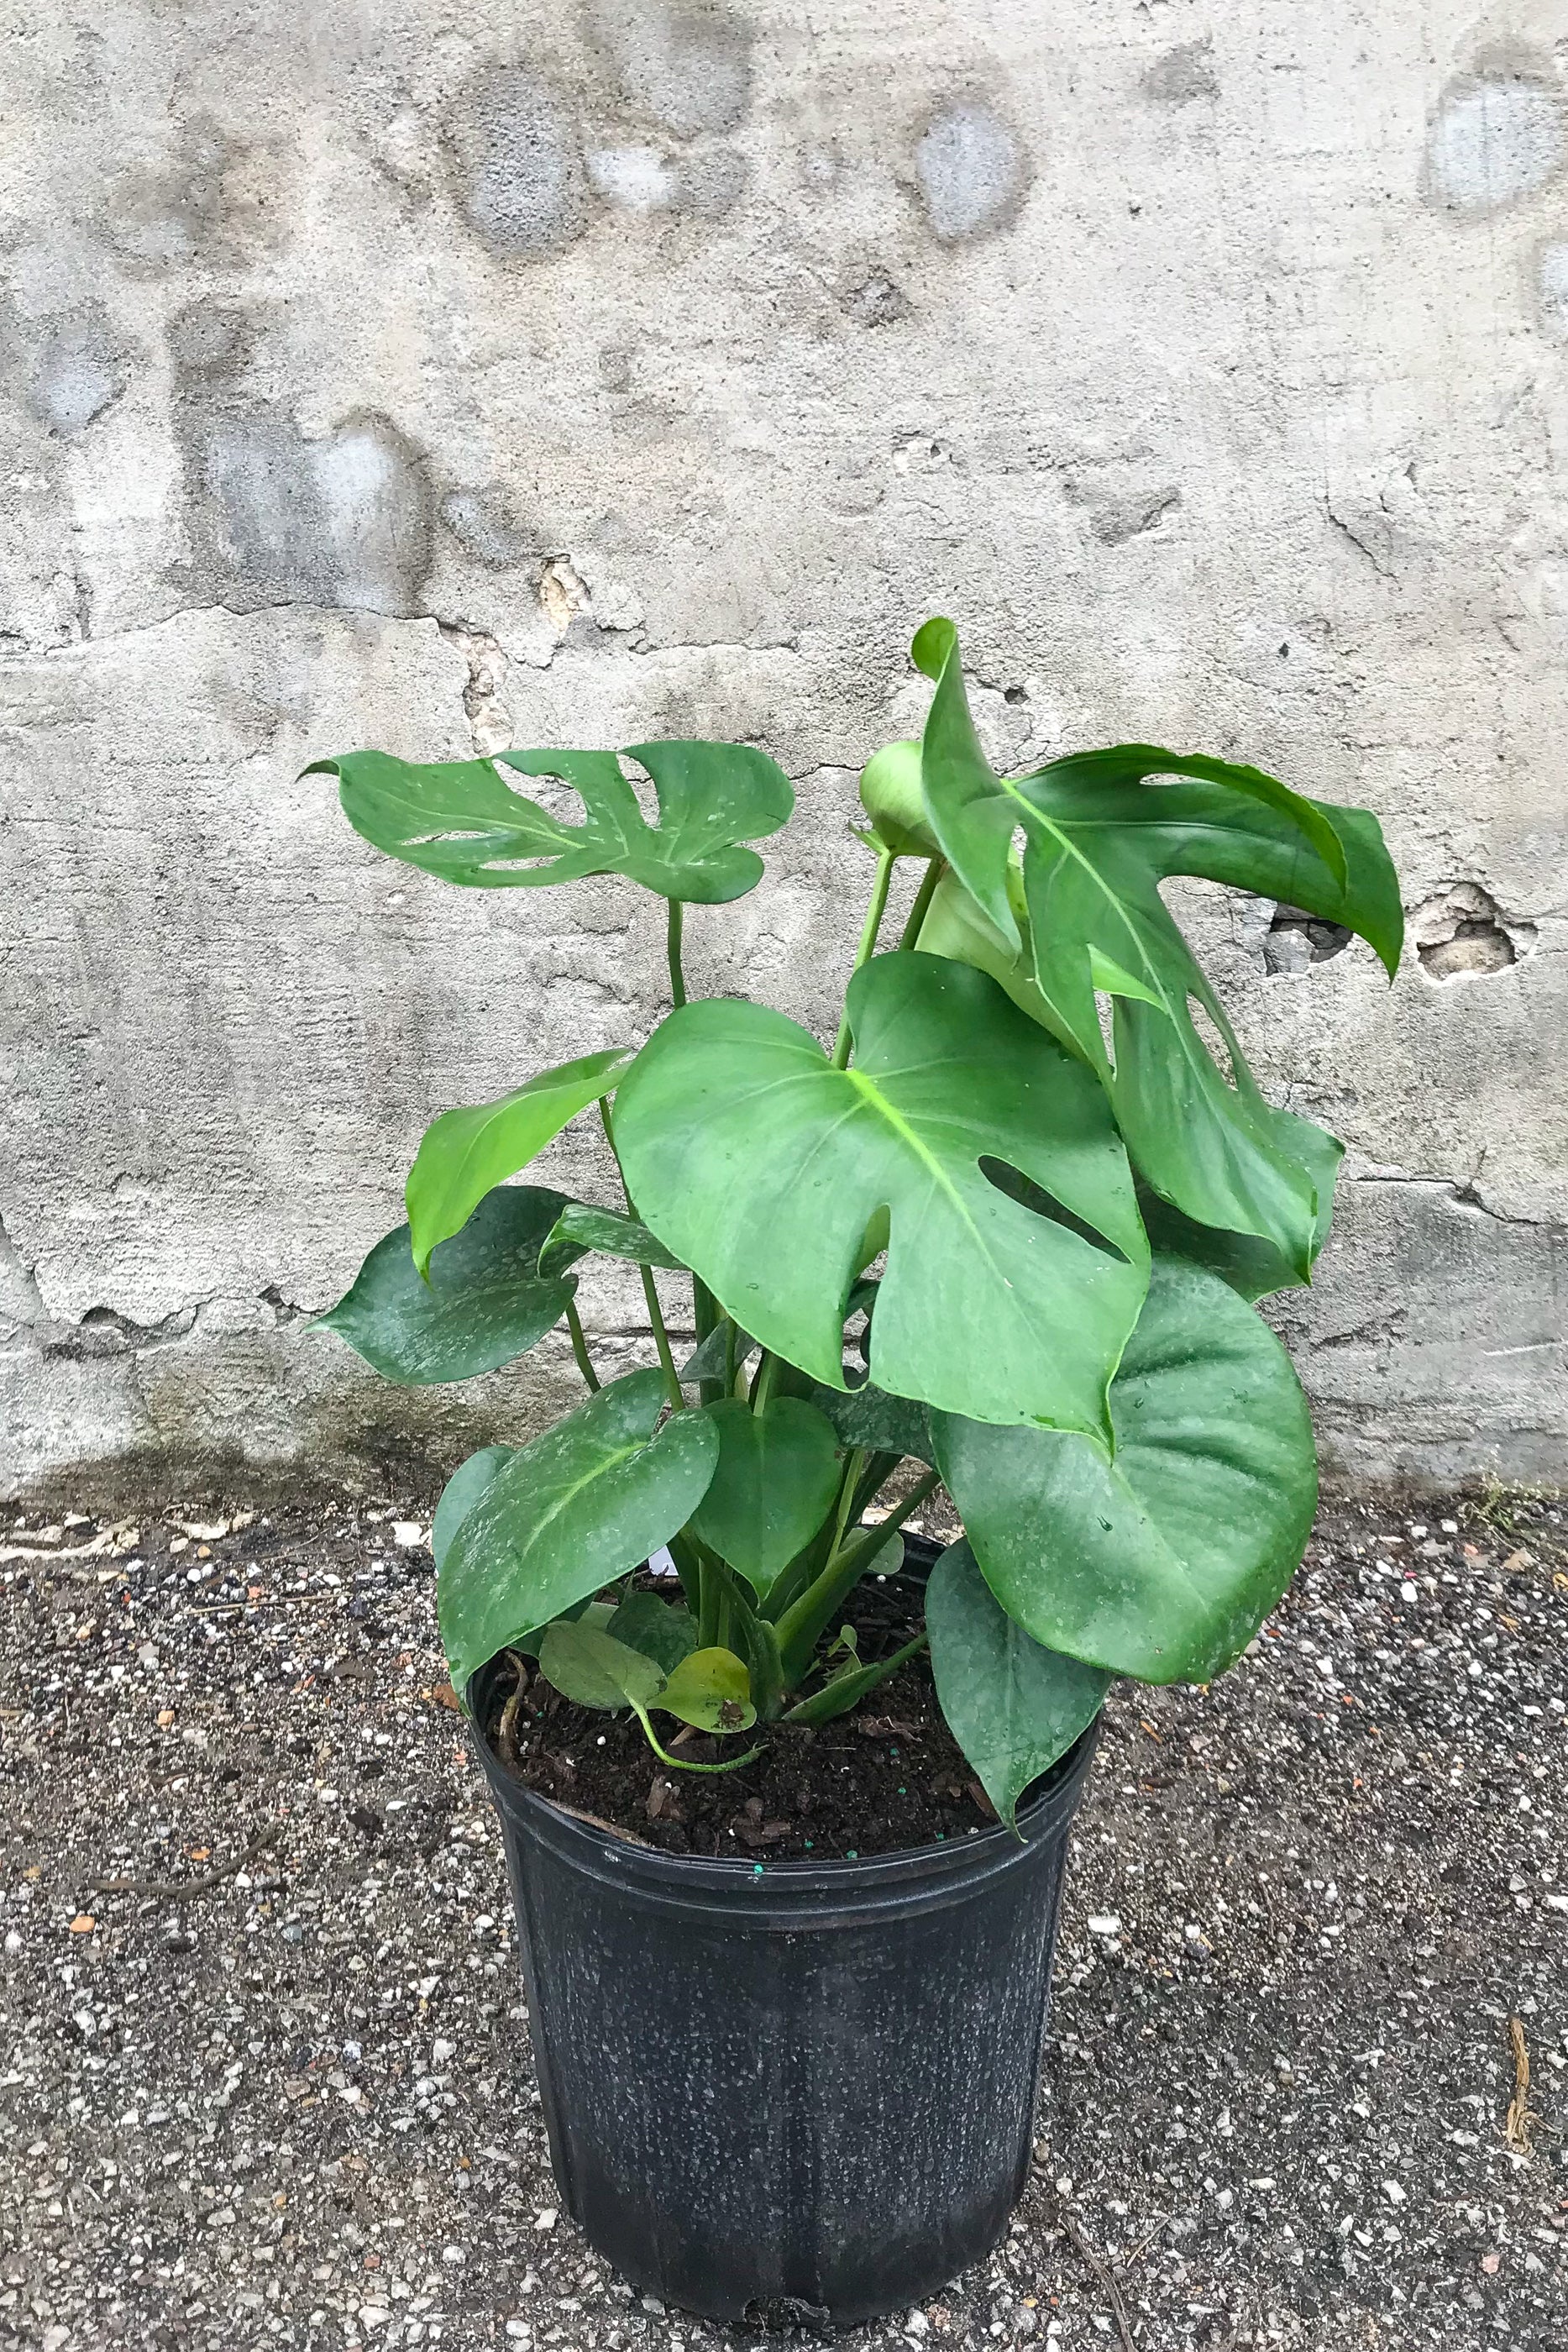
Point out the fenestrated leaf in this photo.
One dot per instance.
(1013, 1706)
(485, 1302)
(1099, 838)
(466, 1153)
(772, 1487)
(760, 1166)
(460, 1494)
(592, 1667)
(461, 820)
(711, 1690)
(579, 1228)
(1163, 1560)
(591, 1498)
(877, 1424)
(661, 1629)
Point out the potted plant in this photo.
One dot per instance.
(1007, 1233)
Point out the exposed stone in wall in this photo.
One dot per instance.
(645, 368)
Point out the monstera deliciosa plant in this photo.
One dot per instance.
(1009, 1226)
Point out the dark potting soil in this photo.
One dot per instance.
(887, 1776)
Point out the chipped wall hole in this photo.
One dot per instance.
(1296, 940)
(1462, 931)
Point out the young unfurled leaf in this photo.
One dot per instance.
(590, 1666)
(486, 1298)
(760, 1165)
(579, 1228)
(659, 1629)
(1013, 1706)
(711, 1690)
(467, 1152)
(584, 1503)
(772, 1486)
(890, 796)
(1163, 1561)
(460, 819)
(1099, 839)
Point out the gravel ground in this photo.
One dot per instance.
(1315, 1919)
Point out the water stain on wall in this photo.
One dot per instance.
(1495, 140)
(1182, 75)
(280, 517)
(689, 69)
(79, 367)
(516, 162)
(970, 169)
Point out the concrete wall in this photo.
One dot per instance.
(576, 374)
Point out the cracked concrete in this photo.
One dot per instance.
(637, 371)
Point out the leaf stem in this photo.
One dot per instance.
(681, 1763)
(580, 1345)
(762, 1384)
(655, 1315)
(661, 1341)
(672, 951)
(801, 1624)
(910, 935)
(873, 915)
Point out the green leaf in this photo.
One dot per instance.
(890, 796)
(579, 1228)
(709, 1358)
(776, 1476)
(660, 1630)
(849, 1685)
(485, 1302)
(710, 1689)
(760, 1165)
(466, 1153)
(460, 819)
(1013, 1706)
(1251, 1266)
(877, 1424)
(1164, 1561)
(585, 1502)
(458, 1496)
(593, 1669)
(1099, 839)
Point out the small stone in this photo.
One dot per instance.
(83, 1924)
(407, 1533)
(1393, 2193)
(547, 2219)
(1104, 1923)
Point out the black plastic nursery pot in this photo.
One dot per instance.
(793, 2090)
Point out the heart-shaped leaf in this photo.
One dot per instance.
(711, 1690)
(585, 1502)
(1162, 1561)
(1013, 1706)
(466, 1153)
(659, 1629)
(1099, 839)
(458, 1496)
(484, 1300)
(592, 1668)
(579, 1228)
(760, 1165)
(776, 1475)
(460, 819)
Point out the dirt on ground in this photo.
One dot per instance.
(264, 2071)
